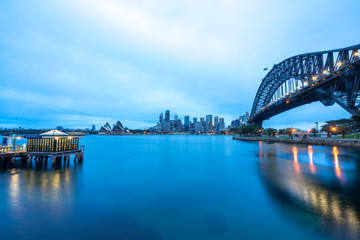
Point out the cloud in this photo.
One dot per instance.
(83, 62)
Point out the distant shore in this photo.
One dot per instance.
(308, 141)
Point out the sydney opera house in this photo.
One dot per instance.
(117, 129)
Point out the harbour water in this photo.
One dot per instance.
(186, 187)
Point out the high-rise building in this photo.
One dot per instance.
(93, 128)
(194, 120)
(197, 127)
(209, 120)
(247, 116)
(167, 127)
(222, 124)
(176, 117)
(186, 123)
(216, 123)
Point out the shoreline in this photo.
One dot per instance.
(308, 141)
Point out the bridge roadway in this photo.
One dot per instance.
(298, 81)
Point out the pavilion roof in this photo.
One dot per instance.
(54, 132)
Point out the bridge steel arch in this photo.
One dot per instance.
(327, 76)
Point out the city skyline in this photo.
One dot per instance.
(78, 63)
(207, 124)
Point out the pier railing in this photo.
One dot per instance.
(7, 149)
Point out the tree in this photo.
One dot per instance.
(343, 129)
(287, 131)
(250, 129)
(270, 131)
(326, 128)
(314, 131)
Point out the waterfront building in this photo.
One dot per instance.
(216, 123)
(222, 124)
(187, 123)
(117, 129)
(197, 127)
(167, 126)
(202, 120)
(161, 121)
(93, 128)
(208, 125)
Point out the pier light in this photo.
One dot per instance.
(325, 72)
(305, 83)
(287, 101)
(339, 64)
(314, 78)
(357, 54)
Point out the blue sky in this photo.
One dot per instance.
(76, 63)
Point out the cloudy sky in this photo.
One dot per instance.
(75, 63)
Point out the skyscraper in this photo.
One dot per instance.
(161, 121)
(247, 116)
(208, 127)
(167, 122)
(222, 124)
(202, 120)
(216, 123)
(187, 123)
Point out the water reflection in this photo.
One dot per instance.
(296, 162)
(336, 159)
(332, 204)
(53, 186)
(311, 162)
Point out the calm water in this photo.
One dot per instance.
(186, 187)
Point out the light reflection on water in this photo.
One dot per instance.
(323, 193)
(185, 187)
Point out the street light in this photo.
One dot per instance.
(333, 129)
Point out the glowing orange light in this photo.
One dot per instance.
(296, 163)
(333, 129)
(260, 149)
(312, 166)
(287, 102)
(336, 159)
(293, 130)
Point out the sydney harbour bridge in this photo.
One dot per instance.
(328, 76)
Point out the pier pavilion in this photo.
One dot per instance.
(52, 145)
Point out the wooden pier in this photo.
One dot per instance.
(54, 146)
(11, 154)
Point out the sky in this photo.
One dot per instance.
(74, 63)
